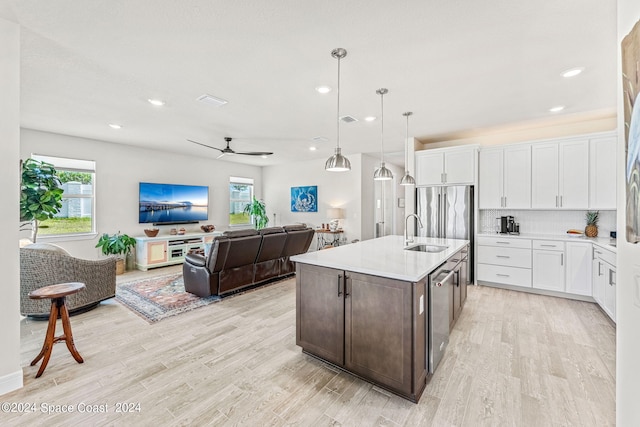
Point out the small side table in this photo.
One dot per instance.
(331, 241)
(57, 294)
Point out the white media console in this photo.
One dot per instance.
(152, 252)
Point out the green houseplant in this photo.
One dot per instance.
(40, 194)
(116, 244)
(257, 212)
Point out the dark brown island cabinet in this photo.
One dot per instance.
(371, 326)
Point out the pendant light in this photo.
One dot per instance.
(407, 179)
(337, 162)
(382, 173)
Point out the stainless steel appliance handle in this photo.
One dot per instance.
(443, 235)
(439, 283)
(438, 214)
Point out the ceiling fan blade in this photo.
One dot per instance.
(208, 146)
(221, 155)
(256, 153)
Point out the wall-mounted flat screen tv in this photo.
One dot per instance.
(173, 203)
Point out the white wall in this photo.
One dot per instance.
(335, 190)
(628, 314)
(10, 371)
(119, 169)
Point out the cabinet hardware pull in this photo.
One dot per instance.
(339, 283)
(502, 256)
(560, 201)
(347, 280)
(502, 275)
(505, 201)
(561, 259)
(549, 246)
(504, 243)
(556, 201)
(611, 279)
(599, 269)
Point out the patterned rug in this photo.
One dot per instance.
(159, 297)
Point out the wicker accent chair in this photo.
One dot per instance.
(43, 264)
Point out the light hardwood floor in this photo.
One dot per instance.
(515, 359)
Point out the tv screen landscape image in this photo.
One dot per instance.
(172, 203)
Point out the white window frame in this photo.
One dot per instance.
(73, 165)
(241, 181)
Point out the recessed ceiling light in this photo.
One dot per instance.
(370, 118)
(312, 148)
(556, 109)
(323, 89)
(572, 72)
(115, 126)
(212, 100)
(156, 102)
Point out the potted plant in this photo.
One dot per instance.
(117, 244)
(591, 229)
(257, 212)
(40, 194)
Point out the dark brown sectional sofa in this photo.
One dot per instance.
(243, 258)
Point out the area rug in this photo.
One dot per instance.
(160, 297)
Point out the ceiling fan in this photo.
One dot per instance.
(228, 150)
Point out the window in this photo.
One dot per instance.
(77, 213)
(240, 194)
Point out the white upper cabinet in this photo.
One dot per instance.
(429, 168)
(449, 166)
(560, 175)
(505, 177)
(602, 173)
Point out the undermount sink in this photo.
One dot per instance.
(426, 248)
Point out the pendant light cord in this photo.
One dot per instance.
(406, 147)
(382, 123)
(338, 114)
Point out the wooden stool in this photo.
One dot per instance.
(57, 293)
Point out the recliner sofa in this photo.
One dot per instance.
(243, 258)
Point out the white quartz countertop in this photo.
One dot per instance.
(384, 257)
(603, 242)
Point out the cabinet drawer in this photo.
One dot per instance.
(548, 245)
(605, 255)
(504, 242)
(504, 256)
(506, 275)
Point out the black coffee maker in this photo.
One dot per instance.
(508, 225)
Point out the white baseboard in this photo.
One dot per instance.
(10, 382)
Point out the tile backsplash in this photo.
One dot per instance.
(545, 222)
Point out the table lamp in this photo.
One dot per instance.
(336, 214)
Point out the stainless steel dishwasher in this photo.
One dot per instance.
(441, 282)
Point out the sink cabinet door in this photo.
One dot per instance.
(378, 329)
(320, 312)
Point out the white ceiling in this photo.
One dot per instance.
(458, 65)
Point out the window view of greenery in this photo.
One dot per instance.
(239, 197)
(76, 215)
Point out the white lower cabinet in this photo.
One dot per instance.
(548, 265)
(505, 261)
(579, 276)
(604, 280)
(576, 269)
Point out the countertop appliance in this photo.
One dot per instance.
(447, 212)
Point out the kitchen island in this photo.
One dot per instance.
(366, 307)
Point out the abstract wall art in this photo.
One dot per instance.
(304, 199)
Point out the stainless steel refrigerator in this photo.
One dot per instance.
(447, 212)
